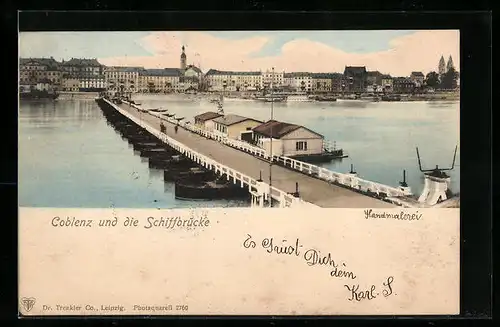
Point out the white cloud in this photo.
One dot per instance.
(419, 51)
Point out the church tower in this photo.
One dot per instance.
(441, 67)
(183, 59)
(449, 65)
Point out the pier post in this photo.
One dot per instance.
(353, 174)
(403, 186)
(261, 191)
(282, 200)
(261, 200)
(435, 189)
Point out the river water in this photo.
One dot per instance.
(70, 157)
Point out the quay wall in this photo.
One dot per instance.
(77, 95)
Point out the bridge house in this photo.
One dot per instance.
(206, 120)
(288, 139)
(235, 126)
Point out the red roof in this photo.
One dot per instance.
(206, 116)
(275, 129)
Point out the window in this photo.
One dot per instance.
(301, 146)
(249, 128)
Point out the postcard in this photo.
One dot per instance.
(239, 173)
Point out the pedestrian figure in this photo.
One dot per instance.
(176, 128)
(162, 128)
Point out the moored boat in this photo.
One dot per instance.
(274, 98)
(210, 190)
(297, 98)
(38, 95)
(324, 98)
(391, 98)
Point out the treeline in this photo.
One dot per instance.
(447, 81)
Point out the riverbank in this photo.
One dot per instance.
(432, 97)
(428, 97)
(77, 95)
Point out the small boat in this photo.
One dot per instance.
(391, 98)
(272, 98)
(297, 98)
(277, 99)
(38, 95)
(211, 190)
(324, 98)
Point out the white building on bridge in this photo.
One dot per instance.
(235, 126)
(288, 139)
(206, 120)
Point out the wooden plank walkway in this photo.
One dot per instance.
(311, 189)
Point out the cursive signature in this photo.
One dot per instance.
(358, 294)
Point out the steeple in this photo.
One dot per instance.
(183, 59)
(442, 66)
(450, 64)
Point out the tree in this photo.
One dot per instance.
(449, 79)
(432, 80)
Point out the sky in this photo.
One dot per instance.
(395, 52)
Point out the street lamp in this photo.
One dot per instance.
(271, 142)
(200, 74)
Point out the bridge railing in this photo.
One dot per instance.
(241, 145)
(285, 199)
(347, 180)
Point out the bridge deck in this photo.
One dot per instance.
(311, 189)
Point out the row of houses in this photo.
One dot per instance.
(219, 81)
(358, 80)
(288, 139)
(139, 79)
(354, 79)
(88, 74)
(73, 74)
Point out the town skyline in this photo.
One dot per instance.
(390, 52)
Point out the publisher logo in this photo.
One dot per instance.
(28, 303)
